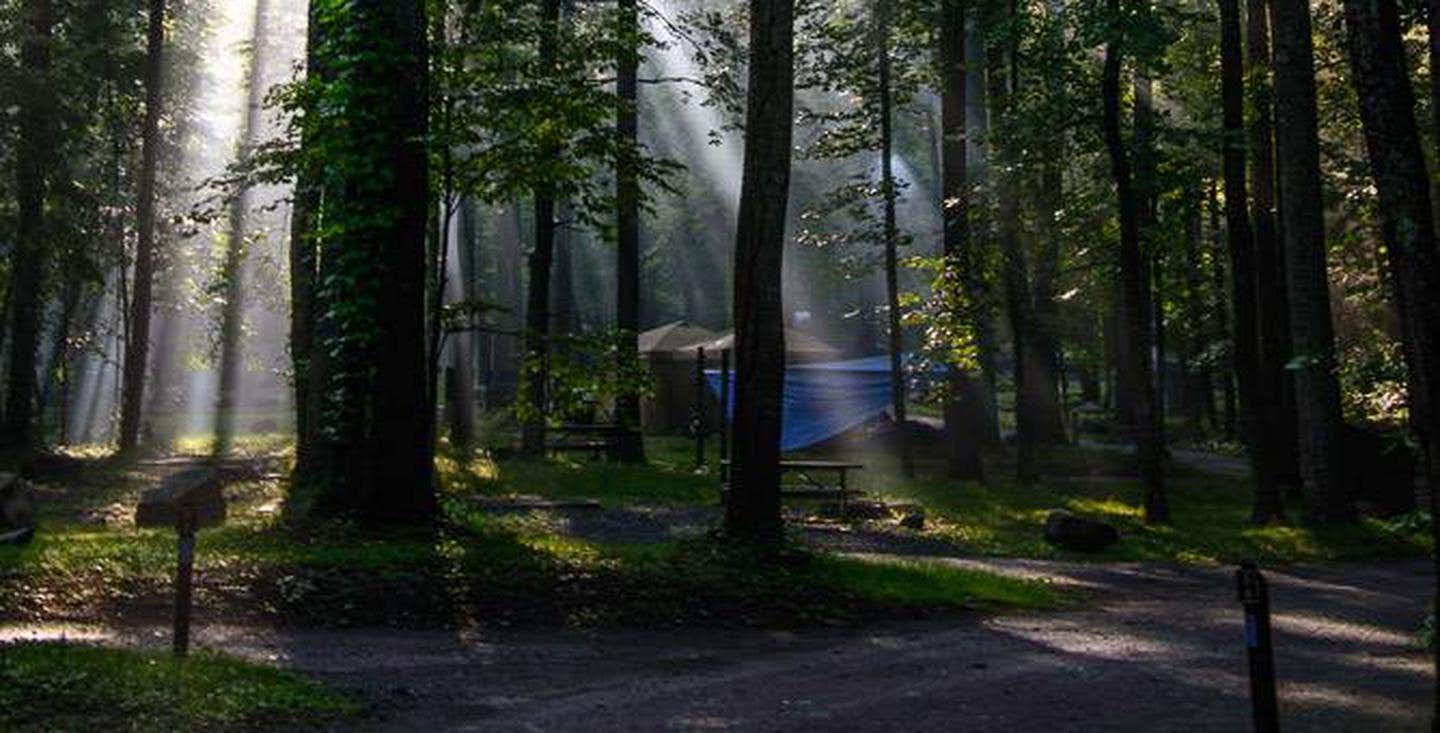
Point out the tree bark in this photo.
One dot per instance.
(752, 508)
(889, 193)
(304, 220)
(137, 346)
(1397, 163)
(373, 461)
(536, 369)
(1317, 390)
(1135, 298)
(34, 153)
(1245, 282)
(627, 219)
(1272, 303)
(236, 248)
(965, 411)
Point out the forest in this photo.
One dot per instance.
(719, 363)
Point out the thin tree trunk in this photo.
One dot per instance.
(1245, 282)
(631, 448)
(978, 284)
(1397, 162)
(892, 239)
(33, 156)
(237, 248)
(1272, 303)
(1317, 390)
(536, 369)
(304, 221)
(137, 347)
(752, 509)
(1134, 289)
(965, 412)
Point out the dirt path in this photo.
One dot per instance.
(1154, 648)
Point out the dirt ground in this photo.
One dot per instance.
(1151, 648)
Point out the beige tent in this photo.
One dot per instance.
(800, 348)
(669, 354)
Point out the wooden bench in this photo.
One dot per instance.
(811, 483)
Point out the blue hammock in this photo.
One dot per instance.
(825, 400)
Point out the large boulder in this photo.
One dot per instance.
(1077, 533)
(17, 502)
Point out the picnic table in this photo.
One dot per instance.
(594, 438)
(814, 480)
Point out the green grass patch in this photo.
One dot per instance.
(1210, 523)
(669, 477)
(63, 687)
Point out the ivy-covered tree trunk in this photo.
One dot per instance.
(236, 247)
(1312, 335)
(372, 457)
(1245, 283)
(965, 410)
(889, 193)
(752, 509)
(631, 448)
(1135, 301)
(137, 345)
(1272, 303)
(1397, 162)
(33, 155)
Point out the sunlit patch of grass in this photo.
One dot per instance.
(665, 479)
(933, 583)
(1209, 523)
(275, 444)
(57, 686)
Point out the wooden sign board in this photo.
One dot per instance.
(194, 495)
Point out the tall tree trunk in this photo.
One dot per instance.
(965, 411)
(889, 192)
(752, 509)
(1272, 303)
(304, 226)
(1134, 289)
(460, 393)
(631, 447)
(137, 346)
(1245, 281)
(374, 459)
(33, 155)
(1221, 310)
(1199, 391)
(978, 284)
(1317, 391)
(237, 248)
(536, 369)
(1397, 162)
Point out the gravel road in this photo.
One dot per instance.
(1152, 648)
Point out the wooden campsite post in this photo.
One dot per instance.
(724, 405)
(699, 411)
(188, 501)
(1255, 598)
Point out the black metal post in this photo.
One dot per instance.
(184, 576)
(700, 395)
(1255, 599)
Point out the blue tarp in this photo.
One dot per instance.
(825, 400)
